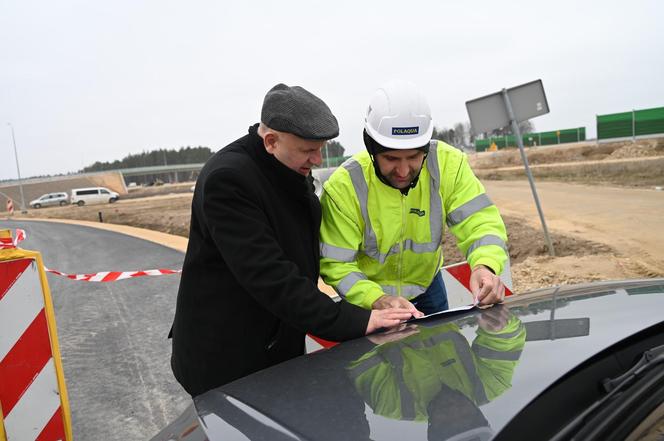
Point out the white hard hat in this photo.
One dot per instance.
(399, 117)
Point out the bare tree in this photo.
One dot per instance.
(471, 135)
(444, 134)
(524, 127)
(459, 135)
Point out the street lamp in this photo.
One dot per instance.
(20, 184)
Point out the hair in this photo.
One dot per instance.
(263, 129)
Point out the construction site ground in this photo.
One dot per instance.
(606, 224)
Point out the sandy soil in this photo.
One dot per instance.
(625, 164)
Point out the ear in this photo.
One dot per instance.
(270, 142)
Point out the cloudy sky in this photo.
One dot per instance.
(85, 81)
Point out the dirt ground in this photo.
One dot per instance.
(626, 164)
(569, 153)
(598, 232)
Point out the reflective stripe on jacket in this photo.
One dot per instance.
(375, 240)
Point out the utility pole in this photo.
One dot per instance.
(18, 170)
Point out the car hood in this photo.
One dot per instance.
(456, 376)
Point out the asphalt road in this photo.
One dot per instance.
(112, 336)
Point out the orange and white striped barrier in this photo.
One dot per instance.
(33, 395)
(10, 207)
(6, 240)
(457, 283)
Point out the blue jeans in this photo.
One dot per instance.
(434, 299)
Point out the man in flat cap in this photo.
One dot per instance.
(248, 292)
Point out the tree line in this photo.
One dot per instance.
(183, 155)
(458, 135)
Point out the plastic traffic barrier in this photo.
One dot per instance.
(33, 395)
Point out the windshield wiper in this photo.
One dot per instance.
(614, 386)
(649, 360)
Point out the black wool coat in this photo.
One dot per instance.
(248, 292)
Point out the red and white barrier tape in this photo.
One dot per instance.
(112, 276)
(8, 242)
(103, 276)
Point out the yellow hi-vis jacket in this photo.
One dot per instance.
(375, 241)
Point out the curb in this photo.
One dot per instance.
(178, 243)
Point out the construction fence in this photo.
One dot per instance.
(632, 124)
(532, 139)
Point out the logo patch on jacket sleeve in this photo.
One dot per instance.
(405, 130)
(420, 213)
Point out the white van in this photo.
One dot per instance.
(93, 195)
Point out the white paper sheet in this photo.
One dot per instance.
(447, 311)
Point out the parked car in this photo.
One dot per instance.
(93, 195)
(583, 362)
(50, 199)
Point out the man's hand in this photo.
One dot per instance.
(394, 334)
(494, 319)
(387, 301)
(385, 318)
(487, 288)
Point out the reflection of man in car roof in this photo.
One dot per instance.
(419, 373)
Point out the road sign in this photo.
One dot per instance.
(512, 106)
(489, 112)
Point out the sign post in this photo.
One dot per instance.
(510, 107)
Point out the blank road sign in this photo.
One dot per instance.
(489, 112)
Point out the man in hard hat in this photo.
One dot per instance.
(384, 211)
(248, 292)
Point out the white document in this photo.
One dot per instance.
(447, 311)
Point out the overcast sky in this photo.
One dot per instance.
(85, 81)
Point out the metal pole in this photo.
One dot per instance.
(325, 160)
(18, 170)
(633, 128)
(552, 316)
(517, 132)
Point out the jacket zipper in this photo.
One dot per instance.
(401, 244)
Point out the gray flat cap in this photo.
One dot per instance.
(298, 111)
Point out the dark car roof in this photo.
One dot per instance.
(406, 388)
